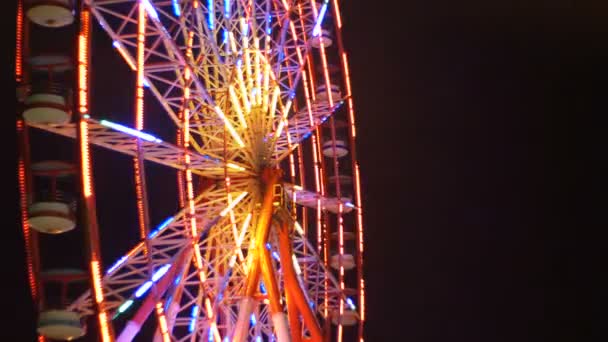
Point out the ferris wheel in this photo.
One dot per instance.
(268, 242)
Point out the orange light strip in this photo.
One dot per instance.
(351, 111)
(95, 269)
(25, 223)
(359, 207)
(139, 121)
(139, 94)
(337, 14)
(19, 43)
(162, 322)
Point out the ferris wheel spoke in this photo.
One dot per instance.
(164, 61)
(107, 135)
(126, 276)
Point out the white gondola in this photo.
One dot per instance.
(46, 107)
(60, 325)
(51, 217)
(341, 148)
(50, 13)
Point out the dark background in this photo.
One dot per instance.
(477, 121)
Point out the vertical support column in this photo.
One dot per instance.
(89, 212)
(355, 166)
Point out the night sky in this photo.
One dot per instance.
(466, 130)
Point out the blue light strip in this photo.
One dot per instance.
(350, 303)
(160, 227)
(160, 272)
(176, 9)
(131, 131)
(252, 319)
(317, 29)
(210, 336)
(262, 288)
(143, 289)
(193, 315)
(116, 264)
(227, 9)
(275, 255)
(211, 13)
(157, 275)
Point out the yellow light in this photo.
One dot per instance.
(258, 85)
(239, 77)
(299, 228)
(296, 265)
(273, 103)
(237, 106)
(266, 84)
(235, 167)
(233, 204)
(229, 126)
(126, 57)
(232, 42)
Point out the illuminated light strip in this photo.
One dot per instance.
(162, 322)
(150, 9)
(26, 226)
(139, 94)
(193, 315)
(317, 28)
(296, 265)
(273, 102)
(211, 14)
(307, 96)
(349, 95)
(243, 88)
(233, 204)
(86, 167)
(338, 16)
(283, 122)
(237, 106)
(105, 330)
(265, 86)
(97, 288)
(82, 73)
(161, 227)
(139, 125)
(258, 73)
(125, 306)
(235, 167)
(19, 43)
(176, 9)
(125, 56)
(131, 131)
(236, 137)
(122, 259)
